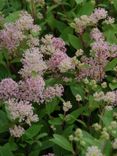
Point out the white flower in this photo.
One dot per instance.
(86, 81)
(65, 65)
(108, 108)
(98, 96)
(71, 137)
(33, 63)
(110, 97)
(105, 134)
(17, 131)
(79, 52)
(109, 20)
(78, 133)
(104, 85)
(96, 126)
(114, 144)
(78, 98)
(113, 124)
(93, 151)
(66, 106)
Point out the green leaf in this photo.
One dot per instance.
(111, 65)
(110, 35)
(4, 122)
(92, 103)
(72, 117)
(62, 142)
(32, 131)
(75, 41)
(107, 118)
(108, 148)
(86, 8)
(79, 1)
(115, 4)
(65, 34)
(60, 25)
(12, 17)
(51, 106)
(52, 81)
(113, 85)
(56, 121)
(51, 21)
(5, 150)
(2, 4)
(77, 89)
(89, 139)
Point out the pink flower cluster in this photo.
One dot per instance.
(14, 33)
(54, 47)
(51, 92)
(50, 44)
(60, 61)
(98, 14)
(17, 131)
(96, 34)
(59, 44)
(33, 63)
(56, 59)
(82, 22)
(25, 21)
(8, 89)
(101, 52)
(21, 110)
(18, 98)
(10, 37)
(93, 70)
(32, 89)
(49, 154)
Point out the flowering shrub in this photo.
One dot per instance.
(58, 81)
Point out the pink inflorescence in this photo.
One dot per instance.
(51, 92)
(59, 44)
(49, 154)
(31, 89)
(50, 44)
(96, 34)
(101, 50)
(25, 22)
(93, 70)
(33, 63)
(98, 14)
(10, 37)
(17, 131)
(21, 110)
(113, 50)
(8, 89)
(56, 59)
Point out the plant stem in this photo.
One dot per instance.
(33, 11)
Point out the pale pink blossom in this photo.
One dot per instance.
(17, 131)
(25, 21)
(50, 44)
(21, 110)
(96, 34)
(51, 92)
(93, 69)
(31, 89)
(33, 63)
(56, 59)
(8, 89)
(10, 37)
(98, 14)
